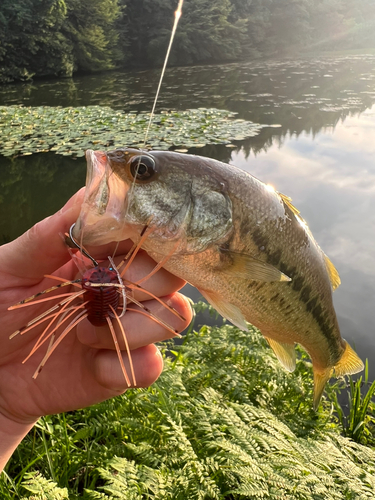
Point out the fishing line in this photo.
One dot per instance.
(177, 16)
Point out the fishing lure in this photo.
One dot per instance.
(103, 297)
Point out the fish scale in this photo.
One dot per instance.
(237, 240)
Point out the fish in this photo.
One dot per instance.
(241, 243)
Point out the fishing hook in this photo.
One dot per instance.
(81, 249)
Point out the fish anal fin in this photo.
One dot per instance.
(247, 267)
(332, 273)
(320, 380)
(349, 363)
(285, 353)
(226, 309)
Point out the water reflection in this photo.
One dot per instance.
(34, 187)
(300, 95)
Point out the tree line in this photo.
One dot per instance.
(61, 37)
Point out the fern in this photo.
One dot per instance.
(224, 421)
(43, 489)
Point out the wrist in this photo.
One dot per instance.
(11, 434)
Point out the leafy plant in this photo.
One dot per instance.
(44, 489)
(358, 422)
(224, 421)
(70, 131)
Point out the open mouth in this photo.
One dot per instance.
(102, 216)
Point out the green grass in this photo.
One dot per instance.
(224, 421)
(358, 420)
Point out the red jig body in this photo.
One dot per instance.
(100, 299)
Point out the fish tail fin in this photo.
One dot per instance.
(349, 363)
(320, 380)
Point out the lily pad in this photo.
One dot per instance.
(70, 131)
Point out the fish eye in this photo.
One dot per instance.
(142, 168)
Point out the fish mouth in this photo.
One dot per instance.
(102, 216)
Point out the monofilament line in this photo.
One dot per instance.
(177, 16)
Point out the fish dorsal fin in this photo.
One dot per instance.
(227, 310)
(320, 380)
(349, 363)
(332, 273)
(247, 267)
(285, 353)
(289, 204)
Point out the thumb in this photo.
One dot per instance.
(41, 250)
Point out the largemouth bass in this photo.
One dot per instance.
(239, 242)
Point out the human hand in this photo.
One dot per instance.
(84, 369)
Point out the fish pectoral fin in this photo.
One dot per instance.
(320, 380)
(349, 363)
(227, 310)
(285, 353)
(334, 277)
(247, 267)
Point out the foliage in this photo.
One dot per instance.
(44, 489)
(93, 37)
(204, 32)
(223, 421)
(30, 39)
(58, 37)
(70, 131)
(358, 422)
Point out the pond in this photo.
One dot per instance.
(318, 149)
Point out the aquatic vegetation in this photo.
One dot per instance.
(223, 421)
(70, 131)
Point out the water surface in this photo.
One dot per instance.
(318, 149)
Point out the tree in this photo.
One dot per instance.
(204, 32)
(59, 37)
(30, 41)
(56, 37)
(89, 27)
(289, 26)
